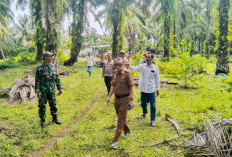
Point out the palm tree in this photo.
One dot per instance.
(166, 8)
(51, 22)
(36, 12)
(77, 27)
(209, 4)
(78, 11)
(22, 30)
(222, 65)
(5, 11)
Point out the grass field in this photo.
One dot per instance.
(20, 132)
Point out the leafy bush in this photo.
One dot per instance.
(62, 56)
(228, 86)
(137, 58)
(190, 68)
(8, 63)
(21, 59)
(187, 69)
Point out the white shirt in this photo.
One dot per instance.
(149, 79)
(90, 61)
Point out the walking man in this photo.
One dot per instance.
(122, 86)
(107, 71)
(90, 61)
(45, 80)
(149, 84)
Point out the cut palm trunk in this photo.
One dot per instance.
(23, 89)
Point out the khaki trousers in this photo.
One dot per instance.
(120, 106)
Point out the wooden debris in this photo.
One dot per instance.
(22, 89)
(174, 122)
(214, 140)
(31, 72)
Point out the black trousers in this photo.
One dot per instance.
(108, 80)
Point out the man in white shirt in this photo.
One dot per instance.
(90, 61)
(149, 84)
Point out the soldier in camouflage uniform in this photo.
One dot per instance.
(45, 80)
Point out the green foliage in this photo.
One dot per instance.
(8, 63)
(62, 56)
(228, 85)
(136, 60)
(187, 69)
(21, 59)
(190, 68)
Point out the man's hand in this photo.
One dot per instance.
(39, 95)
(132, 104)
(108, 101)
(60, 92)
(157, 93)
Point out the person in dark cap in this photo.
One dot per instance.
(45, 79)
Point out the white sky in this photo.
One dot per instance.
(65, 24)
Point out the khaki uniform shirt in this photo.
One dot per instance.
(107, 69)
(122, 83)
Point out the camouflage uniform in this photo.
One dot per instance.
(45, 80)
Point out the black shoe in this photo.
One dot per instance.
(143, 116)
(55, 120)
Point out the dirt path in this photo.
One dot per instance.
(48, 145)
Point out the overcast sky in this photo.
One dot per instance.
(65, 24)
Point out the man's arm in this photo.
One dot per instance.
(135, 68)
(37, 83)
(130, 82)
(110, 94)
(57, 81)
(103, 70)
(157, 81)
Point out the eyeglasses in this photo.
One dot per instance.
(118, 64)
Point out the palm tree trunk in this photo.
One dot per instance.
(222, 65)
(207, 32)
(77, 30)
(117, 21)
(174, 34)
(51, 25)
(115, 39)
(192, 48)
(166, 36)
(39, 29)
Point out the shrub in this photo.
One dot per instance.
(62, 56)
(8, 63)
(21, 59)
(190, 68)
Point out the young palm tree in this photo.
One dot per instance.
(222, 65)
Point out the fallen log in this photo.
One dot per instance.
(174, 122)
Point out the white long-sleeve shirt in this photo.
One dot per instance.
(149, 79)
(90, 61)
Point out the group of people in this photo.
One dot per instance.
(118, 80)
(122, 86)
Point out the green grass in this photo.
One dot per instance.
(20, 131)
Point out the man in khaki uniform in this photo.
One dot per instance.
(122, 86)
